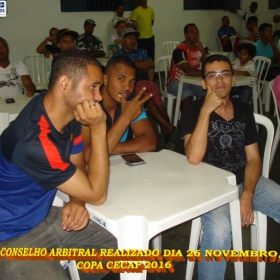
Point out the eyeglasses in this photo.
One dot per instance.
(222, 74)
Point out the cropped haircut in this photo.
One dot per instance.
(224, 17)
(254, 3)
(263, 26)
(53, 29)
(73, 64)
(250, 48)
(118, 5)
(213, 58)
(119, 22)
(119, 59)
(252, 19)
(187, 26)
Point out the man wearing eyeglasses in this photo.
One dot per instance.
(222, 132)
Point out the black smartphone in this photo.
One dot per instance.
(10, 100)
(133, 159)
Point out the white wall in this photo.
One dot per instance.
(28, 22)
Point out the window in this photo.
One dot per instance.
(272, 4)
(96, 5)
(211, 4)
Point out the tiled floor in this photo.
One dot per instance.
(178, 237)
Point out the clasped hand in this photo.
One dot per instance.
(213, 100)
(90, 113)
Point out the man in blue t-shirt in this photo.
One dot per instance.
(266, 47)
(224, 33)
(42, 152)
(124, 110)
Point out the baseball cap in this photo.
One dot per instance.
(66, 32)
(90, 21)
(130, 31)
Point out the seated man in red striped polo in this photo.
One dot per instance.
(186, 61)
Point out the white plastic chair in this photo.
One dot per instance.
(259, 228)
(163, 64)
(232, 39)
(169, 46)
(221, 53)
(277, 132)
(220, 47)
(262, 66)
(246, 42)
(37, 66)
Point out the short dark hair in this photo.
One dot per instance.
(213, 58)
(252, 19)
(263, 26)
(119, 22)
(225, 17)
(254, 3)
(250, 48)
(114, 60)
(118, 5)
(53, 29)
(72, 63)
(187, 26)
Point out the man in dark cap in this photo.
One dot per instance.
(66, 39)
(89, 42)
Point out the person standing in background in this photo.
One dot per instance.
(244, 15)
(119, 17)
(144, 18)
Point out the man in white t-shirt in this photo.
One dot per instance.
(115, 42)
(119, 17)
(13, 75)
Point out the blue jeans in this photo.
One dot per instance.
(50, 234)
(217, 227)
(188, 90)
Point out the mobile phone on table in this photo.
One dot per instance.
(133, 159)
(10, 100)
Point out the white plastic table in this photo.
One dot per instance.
(239, 81)
(8, 112)
(147, 199)
(14, 108)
